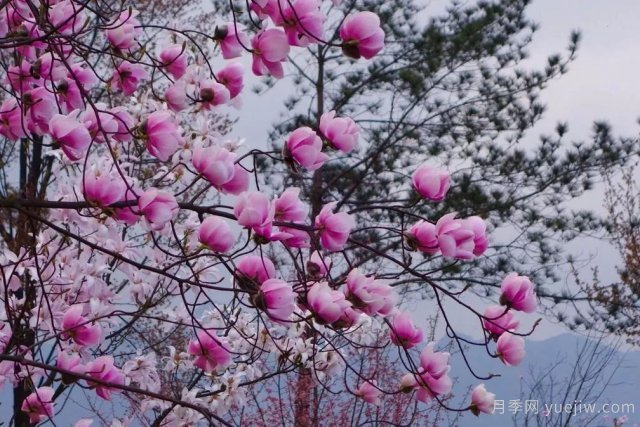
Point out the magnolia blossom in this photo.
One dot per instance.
(128, 77)
(176, 96)
(107, 376)
(302, 20)
(304, 147)
(239, 183)
(361, 35)
(80, 329)
(158, 207)
(70, 362)
(41, 108)
(369, 295)
(510, 349)
(232, 77)
(270, 48)
(434, 379)
(103, 189)
(215, 163)
(480, 239)
(232, 41)
(403, 332)
(518, 293)
(481, 400)
(253, 209)
(369, 392)
(318, 266)
(423, 236)
(10, 120)
(277, 298)
(254, 269)
(334, 228)
(340, 132)
(39, 404)
(174, 60)
(162, 135)
(212, 94)
(124, 31)
(327, 304)
(216, 234)
(209, 351)
(431, 183)
(454, 239)
(496, 320)
(289, 207)
(73, 137)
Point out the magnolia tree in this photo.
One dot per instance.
(144, 264)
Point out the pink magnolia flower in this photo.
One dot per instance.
(289, 207)
(41, 107)
(5, 335)
(215, 163)
(327, 304)
(209, 351)
(125, 124)
(86, 77)
(68, 94)
(361, 35)
(232, 42)
(304, 147)
(12, 125)
(369, 295)
(157, 207)
(232, 76)
(481, 400)
(369, 392)
(67, 17)
(497, 320)
(174, 60)
(297, 238)
(107, 376)
(270, 48)
(103, 189)
(334, 228)
(422, 236)
(78, 328)
(70, 362)
(454, 239)
(434, 378)
(518, 293)
(128, 77)
(252, 269)
(124, 31)
(341, 132)
(216, 234)
(162, 135)
(239, 183)
(277, 298)
(480, 239)
(317, 266)
(213, 94)
(253, 209)
(403, 332)
(128, 215)
(176, 96)
(510, 349)
(39, 405)
(431, 183)
(100, 124)
(302, 21)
